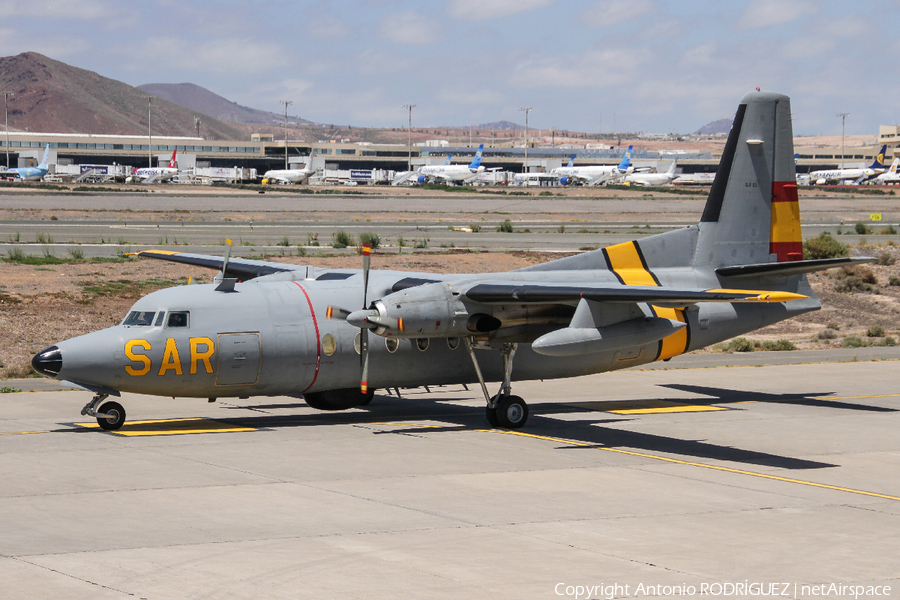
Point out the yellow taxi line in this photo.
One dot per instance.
(696, 464)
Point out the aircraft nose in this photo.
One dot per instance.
(48, 361)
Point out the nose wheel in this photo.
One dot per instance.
(110, 416)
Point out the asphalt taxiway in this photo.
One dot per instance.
(682, 477)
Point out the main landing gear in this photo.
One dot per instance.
(110, 415)
(503, 409)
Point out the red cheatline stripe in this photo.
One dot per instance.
(318, 344)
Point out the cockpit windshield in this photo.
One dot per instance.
(140, 318)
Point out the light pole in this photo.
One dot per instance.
(409, 135)
(843, 117)
(6, 96)
(286, 104)
(149, 135)
(526, 111)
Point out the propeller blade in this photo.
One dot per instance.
(335, 312)
(366, 251)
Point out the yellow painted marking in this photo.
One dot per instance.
(172, 427)
(411, 425)
(875, 216)
(785, 225)
(762, 296)
(667, 409)
(204, 356)
(141, 358)
(628, 407)
(626, 262)
(856, 397)
(696, 464)
(158, 252)
(171, 360)
(22, 432)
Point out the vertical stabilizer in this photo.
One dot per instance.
(626, 160)
(476, 162)
(752, 214)
(879, 159)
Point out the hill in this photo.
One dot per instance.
(720, 126)
(202, 100)
(51, 96)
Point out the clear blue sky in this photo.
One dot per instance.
(638, 65)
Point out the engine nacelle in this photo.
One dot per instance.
(564, 181)
(430, 310)
(421, 179)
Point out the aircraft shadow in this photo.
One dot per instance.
(415, 407)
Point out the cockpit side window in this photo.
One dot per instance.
(139, 318)
(160, 319)
(178, 319)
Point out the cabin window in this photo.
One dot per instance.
(178, 319)
(139, 318)
(328, 344)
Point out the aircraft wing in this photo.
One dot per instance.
(240, 268)
(490, 293)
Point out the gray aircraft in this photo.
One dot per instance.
(333, 336)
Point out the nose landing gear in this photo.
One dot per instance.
(110, 416)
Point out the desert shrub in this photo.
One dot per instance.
(888, 341)
(862, 229)
(875, 331)
(372, 239)
(889, 230)
(894, 280)
(885, 259)
(780, 345)
(342, 239)
(855, 279)
(826, 334)
(76, 253)
(505, 227)
(854, 342)
(824, 246)
(740, 344)
(475, 227)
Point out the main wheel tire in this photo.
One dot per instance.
(491, 414)
(115, 418)
(512, 412)
(367, 398)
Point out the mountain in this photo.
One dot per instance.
(53, 97)
(501, 125)
(204, 101)
(720, 126)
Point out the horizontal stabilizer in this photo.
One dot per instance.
(545, 294)
(786, 269)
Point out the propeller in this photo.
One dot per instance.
(365, 319)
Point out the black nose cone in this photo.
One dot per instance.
(48, 361)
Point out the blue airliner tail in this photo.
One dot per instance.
(879, 160)
(477, 161)
(45, 159)
(626, 160)
(571, 161)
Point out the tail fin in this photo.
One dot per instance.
(571, 161)
(671, 171)
(46, 158)
(752, 214)
(893, 169)
(879, 159)
(626, 160)
(172, 163)
(449, 159)
(477, 160)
